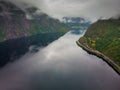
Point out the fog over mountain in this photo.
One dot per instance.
(93, 9)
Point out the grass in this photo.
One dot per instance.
(104, 36)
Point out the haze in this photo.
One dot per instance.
(92, 9)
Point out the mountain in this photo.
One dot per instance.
(20, 29)
(16, 23)
(103, 36)
(76, 23)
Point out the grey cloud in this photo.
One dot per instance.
(93, 9)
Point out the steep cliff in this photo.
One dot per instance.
(20, 29)
(14, 22)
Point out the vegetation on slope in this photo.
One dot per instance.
(18, 32)
(15, 24)
(104, 36)
(76, 23)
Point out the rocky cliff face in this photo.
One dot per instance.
(15, 24)
(20, 29)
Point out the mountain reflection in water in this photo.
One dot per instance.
(62, 65)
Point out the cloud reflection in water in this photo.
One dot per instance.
(62, 65)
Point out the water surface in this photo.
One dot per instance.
(62, 65)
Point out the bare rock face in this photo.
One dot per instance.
(18, 32)
(15, 24)
(13, 21)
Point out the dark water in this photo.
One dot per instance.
(62, 65)
(11, 50)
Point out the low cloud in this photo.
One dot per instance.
(93, 9)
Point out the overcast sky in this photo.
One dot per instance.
(93, 9)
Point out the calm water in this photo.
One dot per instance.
(62, 65)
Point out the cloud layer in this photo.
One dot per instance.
(93, 9)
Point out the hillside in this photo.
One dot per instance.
(76, 23)
(104, 36)
(15, 24)
(21, 29)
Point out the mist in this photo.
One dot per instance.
(92, 9)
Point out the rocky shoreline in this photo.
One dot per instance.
(100, 55)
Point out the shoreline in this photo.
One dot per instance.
(102, 56)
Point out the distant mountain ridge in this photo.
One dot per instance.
(15, 24)
(76, 23)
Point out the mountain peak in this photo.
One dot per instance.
(7, 8)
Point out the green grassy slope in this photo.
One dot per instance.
(47, 26)
(104, 36)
